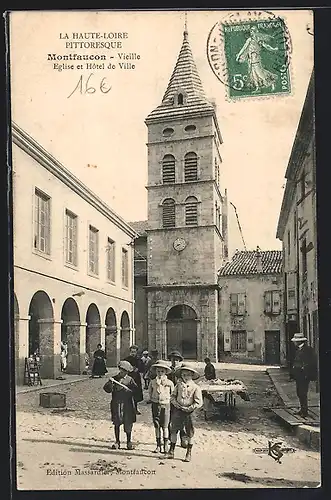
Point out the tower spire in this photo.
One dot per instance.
(185, 27)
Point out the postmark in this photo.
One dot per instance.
(250, 53)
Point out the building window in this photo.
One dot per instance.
(125, 268)
(180, 99)
(288, 243)
(168, 169)
(190, 167)
(110, 260)
(169, 213)
(238, 340)
(191, 211)
(71, 238)
(42, 229)
(238, 304)
(295, 227)
(272, 302)
(93, 250)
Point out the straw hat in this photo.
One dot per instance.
(162, 364)
(125, 365)
(184, 366)
(299, 337)
(175, 354)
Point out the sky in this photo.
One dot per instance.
(101, 136)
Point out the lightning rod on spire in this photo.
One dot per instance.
(185, 25)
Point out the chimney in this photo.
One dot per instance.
(258, 260)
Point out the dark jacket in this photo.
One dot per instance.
(137, 364)
(305, 364)
(210, 373)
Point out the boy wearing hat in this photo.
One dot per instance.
(160, 389)
(185, 399)
(176, 359)
(122, 406)
(304, 370)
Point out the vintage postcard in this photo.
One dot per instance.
(165, 280)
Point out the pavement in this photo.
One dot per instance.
(70, 448)
(286, 388)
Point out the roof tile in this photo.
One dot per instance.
(246, 263)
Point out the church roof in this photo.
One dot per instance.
(245, 263)
(185, 78)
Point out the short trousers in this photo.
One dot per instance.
(160, 414)
(181, 420)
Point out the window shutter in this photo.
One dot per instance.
(191, 167)
(276, 302)
(227, 341)
(168, 169)
(241, 304)
(191, 211)
(267, 303)
(250, 341)
(169, 213)
(233, 303)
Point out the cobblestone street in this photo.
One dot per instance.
(71, 449)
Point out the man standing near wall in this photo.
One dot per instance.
(304, 370)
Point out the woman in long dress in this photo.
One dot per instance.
(258, 76)
(99, 365)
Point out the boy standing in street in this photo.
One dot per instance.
(185, 399)
(160, 389)
(176, 359)
(122, 406)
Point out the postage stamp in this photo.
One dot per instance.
(251, 55)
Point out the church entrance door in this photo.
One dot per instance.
(182, 331)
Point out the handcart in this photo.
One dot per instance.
(219, 397)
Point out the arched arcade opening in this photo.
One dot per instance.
(111, 338)
(41, 332)
(125, 335)
(70, 332)
(93, 331)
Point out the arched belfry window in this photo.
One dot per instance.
(191, 211)
(191, 167)
(180, 99)
(168, 169)
(168, 213)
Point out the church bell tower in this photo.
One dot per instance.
(187, 216)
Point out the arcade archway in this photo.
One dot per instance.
(125, 334)
(93, 330)
(70, 332)
(41, 332)
(111, 337)
(182, 331)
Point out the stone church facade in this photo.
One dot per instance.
(184, 242)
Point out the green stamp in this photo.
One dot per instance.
(251, 57)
